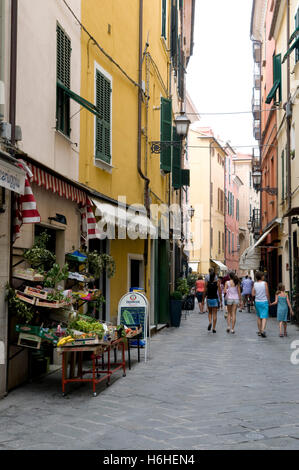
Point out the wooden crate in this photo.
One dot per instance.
(29, 341)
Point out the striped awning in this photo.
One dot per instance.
(57, 185)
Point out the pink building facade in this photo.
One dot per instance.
(232, 184)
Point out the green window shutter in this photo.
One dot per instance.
(164, 11)
(174, 32)
(276, 79)
(185, 177)
(103, 126)
(282, 175)
(63, 76)
(176, 162)
(166, 125)
(296, 28)
(63, 57)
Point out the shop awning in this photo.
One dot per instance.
(250, 259)
(262, 237)
(220, 265)
(121, 217)
(12, 177)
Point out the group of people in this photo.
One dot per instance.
(230, 292)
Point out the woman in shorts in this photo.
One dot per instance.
(232, 291)
(260, 292)
(213, 294)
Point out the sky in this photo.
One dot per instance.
(220, 72)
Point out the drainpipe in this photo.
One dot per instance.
(12, 120)
(289, 180)
(142, 175)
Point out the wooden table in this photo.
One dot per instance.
(98, 374)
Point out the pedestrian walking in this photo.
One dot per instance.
(213, 294)
(223, 282)
(200, 289)
(233, 298)
(260, 292)
(283, 305)
(246, 286)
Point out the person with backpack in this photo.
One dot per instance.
(213, 295)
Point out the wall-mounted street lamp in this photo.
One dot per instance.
(182, 125)
(191, 212)
(257, 180)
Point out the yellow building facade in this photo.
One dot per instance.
(131, 73)
(206, 159)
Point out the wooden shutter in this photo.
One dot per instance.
(282, 175)
(174, 32)
(164, 11)
(176, 161)
(297, 26)
(103, 126)
(277, 72)
(185, 177)
(63, 57)
(166, 125)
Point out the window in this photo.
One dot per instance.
(220, 200)
(229, 249)
(296, 27)
(223, 242)
(219, 242)
(164, 19)
(211, 193)
(165, 135)
(282, 175)
(238, 210)
(233, 242)
(211, 242)
(63, 75)
(276, 80)
(103, 124)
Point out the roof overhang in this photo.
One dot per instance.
(257, 19)
(265, 234)
(220, 264)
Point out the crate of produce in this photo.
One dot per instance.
(25, 297)
(37, 331)
(29, 341)
(33, 291)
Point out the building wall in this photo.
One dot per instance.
(36, 83)
(218, 157)
(231, 223)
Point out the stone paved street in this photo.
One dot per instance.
(198, 391)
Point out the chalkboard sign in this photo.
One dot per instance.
(133, 312)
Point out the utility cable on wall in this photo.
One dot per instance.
(101, 49)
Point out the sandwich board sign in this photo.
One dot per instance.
(133, 311)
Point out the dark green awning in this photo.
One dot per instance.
(273, 91)
(84, 103)
(293, 46)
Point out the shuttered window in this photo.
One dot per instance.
(103, 125)
(63, 75)
(166, 125)
(174, 32)
(276, 80)
(282, 175)
(296, 28)
(176, 161)
(164, 18)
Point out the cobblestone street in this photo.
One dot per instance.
(199, 390)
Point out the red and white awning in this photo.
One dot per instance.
(56, 185)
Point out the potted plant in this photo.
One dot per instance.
(176, 303)
(39, 257)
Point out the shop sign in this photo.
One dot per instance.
(133, 311)
(12, 177)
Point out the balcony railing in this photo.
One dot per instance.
(257, 52)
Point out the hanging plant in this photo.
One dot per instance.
(39, 257)
(99, 262)
(17, 307)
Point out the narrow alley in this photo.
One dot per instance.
(199, 390)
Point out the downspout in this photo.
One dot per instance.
(12, 120)
(289, 180)
(141, 174)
